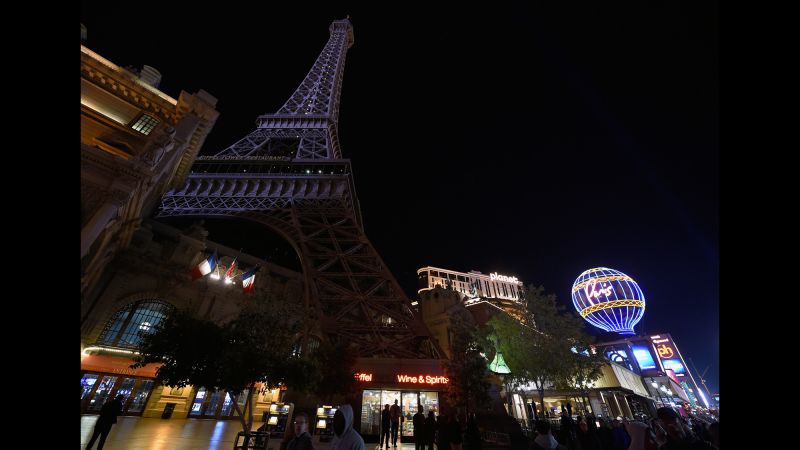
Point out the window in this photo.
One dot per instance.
(124, 327)
(145, 124)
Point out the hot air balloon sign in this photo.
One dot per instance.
(608, 299)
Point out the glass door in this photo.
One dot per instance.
(136, 405)
(430, 402)
(87, 385)
(102, 393)
(409, 408)
(197, 404)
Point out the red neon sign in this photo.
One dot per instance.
(422, 379)
(363, 376)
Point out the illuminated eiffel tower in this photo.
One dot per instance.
(289, 175)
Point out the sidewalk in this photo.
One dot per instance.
(136, 433)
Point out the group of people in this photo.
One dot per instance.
(345, 437)
(668, 431)
(444, 431)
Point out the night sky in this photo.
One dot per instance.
(527, 141)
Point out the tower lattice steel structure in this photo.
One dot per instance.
(289, 174)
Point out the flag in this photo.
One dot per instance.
(248, 280)
(229, 273)
(205, 267)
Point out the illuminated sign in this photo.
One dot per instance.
(675, 365)
(644, 357)
(494, 276)
(422, 379)
(363, 376)
(665, 351)
(592, 290)
(608, 299)
(671, 374)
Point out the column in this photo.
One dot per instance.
(107, 211)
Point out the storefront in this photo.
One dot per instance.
(410, 382)
(103, 377)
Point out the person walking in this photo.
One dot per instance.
(394, 415)
(454, 429)
(419, 429)
(544, 439)
(345, 437)
(442, 433)
(430, 429)
(108, 417)
(473, 434)
(385, 425)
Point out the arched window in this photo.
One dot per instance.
(123, 329)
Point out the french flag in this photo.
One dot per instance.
(205, 267)
(248, 280)
(229, 273)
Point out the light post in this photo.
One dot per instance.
(658, 392)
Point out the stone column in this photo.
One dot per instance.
(113, 201)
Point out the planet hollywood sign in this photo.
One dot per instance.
(495, 277)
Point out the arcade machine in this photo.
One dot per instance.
(324, 423)
(279, 418)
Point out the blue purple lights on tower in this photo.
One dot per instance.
(608, 299)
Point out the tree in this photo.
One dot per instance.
(336, 365)
(583, 368)
(537, 350)
(468, 388)
(254, 347)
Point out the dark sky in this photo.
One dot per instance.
(524, 140)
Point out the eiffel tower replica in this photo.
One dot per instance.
(289, 175)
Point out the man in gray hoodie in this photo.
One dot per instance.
(346, 438)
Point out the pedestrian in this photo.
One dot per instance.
(419, 429)
(544, 438)
(586, 440)
(288, 435)
(108, 417)
(442, 433)
(473, 434)
(604, 435)
(430, 429)
(679, 435)
(385, 425)
(619, 435)
(302, 438)
(454, 429)
(394, 415)
(345, 437)
(713, 431)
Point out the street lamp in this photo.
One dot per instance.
(655, 386)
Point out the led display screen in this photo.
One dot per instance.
(675, 365)
(644, 357)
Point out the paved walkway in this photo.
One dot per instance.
(136, 433)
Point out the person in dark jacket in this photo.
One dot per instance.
(302, 439)
(473, 434)
(386, 423)
(544, 438)
(419, 429)
(586, 439)
(604, 435)
(454, 429)
(620, 436)
(108, 417)
(430, 430)
(679, 435)
(442, 433)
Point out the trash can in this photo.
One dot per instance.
(168, 410)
